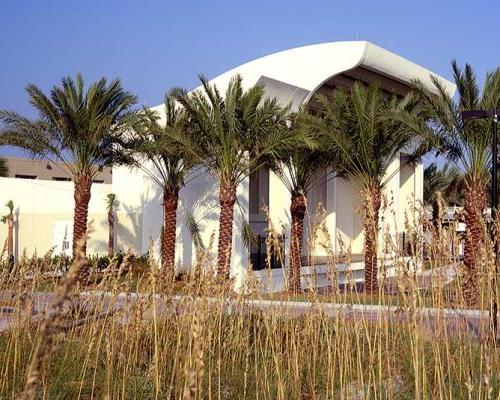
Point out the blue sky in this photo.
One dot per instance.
(155, 45)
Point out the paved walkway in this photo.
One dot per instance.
(455, 321)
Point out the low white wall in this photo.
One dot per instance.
(43, 208)
(318, 276)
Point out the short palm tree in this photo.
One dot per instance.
(111, 205)
(359, 123)
(233, 134)
(82, 129)
(9, 220)
(165, 162)
(466, 144)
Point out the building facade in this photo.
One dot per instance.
(24, 168)
(294, 77)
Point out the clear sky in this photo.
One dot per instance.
(155, 45)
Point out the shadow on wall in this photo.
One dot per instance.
(199, 199)
(140, 218)
(203, 206)
(137, 225)
(128, 234)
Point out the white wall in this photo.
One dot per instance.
(40, 206)
(140, 195)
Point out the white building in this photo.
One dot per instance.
(293, 76)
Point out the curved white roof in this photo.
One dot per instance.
(306, 68)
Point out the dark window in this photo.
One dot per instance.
(20, 176)
(258, 254)
(98, 181)
(61, 178)
(254, 192)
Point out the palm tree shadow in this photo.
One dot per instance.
(138, 225)
(200, 200)
(128, 227)
(143, 223)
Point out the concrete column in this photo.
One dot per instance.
(240, 253)
(331, 216)
(391, 217)
(279, 208)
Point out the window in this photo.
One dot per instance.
(258, 191)
(259, 253)
(254, 193)
(21, 176)
(61, 178)
(98, 181)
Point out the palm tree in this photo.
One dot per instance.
(112, 203)
(299, 169)
(82, 129)
(467, 145)
(360, 124)
(233, 134)
(444, 182)
(9, 220)
(167, 165)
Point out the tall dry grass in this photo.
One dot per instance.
(127, 334)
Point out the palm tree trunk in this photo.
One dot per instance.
(371, 210)
(10, 237)
(170, 202)
(474, 204)
(83, 183)
(111, 233)
(297, 212)
(227, 198)
(436, 214)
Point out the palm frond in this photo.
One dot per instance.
(236, 133)
(82, 129)
(365, 130)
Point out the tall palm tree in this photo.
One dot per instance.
(165, 162)
(233, 133)
(83, 129)
(111, 204)
(359, 123)
(298, 170)
(9, 220)
(466, 144)
(445, 182)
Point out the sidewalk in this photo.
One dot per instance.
(456, 321)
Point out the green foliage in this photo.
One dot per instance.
(232, 135)
(248, 235)
(10, 206)
(155, 150)
(363, 127)
(300, 167)
(465, 143)
(84, 129)
(195, 230)
(447, 181)
(111, 202)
